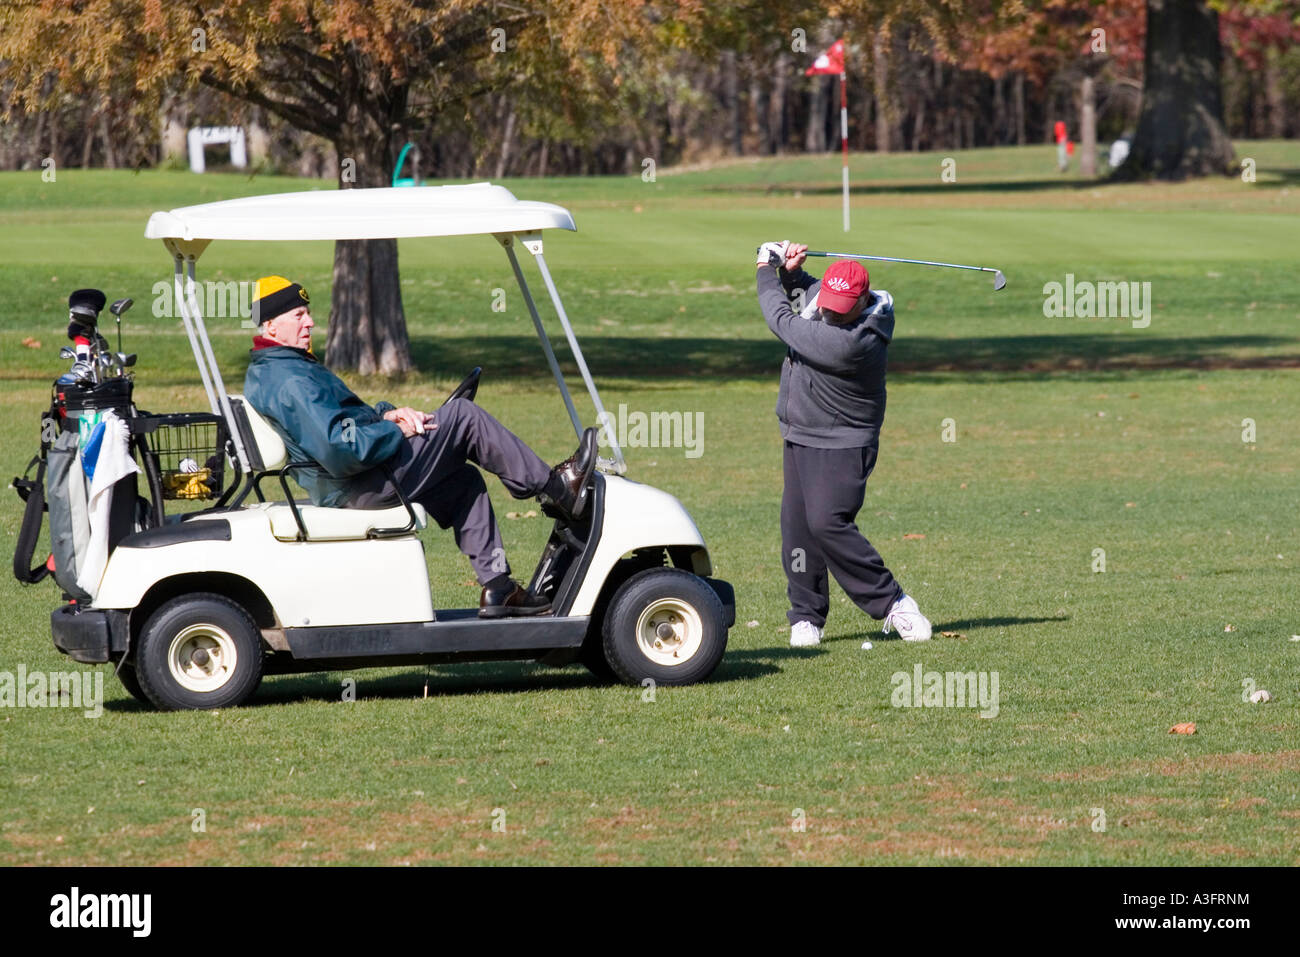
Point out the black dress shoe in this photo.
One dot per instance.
(567, 491)
(510, 601)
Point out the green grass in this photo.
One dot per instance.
(1072, 435)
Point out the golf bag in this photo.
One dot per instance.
(61, 486)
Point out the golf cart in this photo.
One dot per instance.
(195, 609)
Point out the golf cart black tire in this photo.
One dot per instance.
(153, 648)
(131, 682)
(623, 652)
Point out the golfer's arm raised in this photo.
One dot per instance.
(832, 348)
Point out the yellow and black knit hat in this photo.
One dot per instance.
(274, 296)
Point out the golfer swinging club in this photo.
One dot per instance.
(830, 406)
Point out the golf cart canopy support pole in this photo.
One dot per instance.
(198, 333)
(508, 243)
(179, 297)
(534, 246)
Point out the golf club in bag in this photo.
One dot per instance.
(70, 434)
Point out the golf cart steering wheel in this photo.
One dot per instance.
(468, 387)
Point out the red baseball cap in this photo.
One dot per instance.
(842, 286)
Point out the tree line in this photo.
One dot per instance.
(755, 101)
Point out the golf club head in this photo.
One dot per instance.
(999, 280)
(121, 306)
(67, 352)
(126, 359)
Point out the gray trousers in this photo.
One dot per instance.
(433, 469)
(824, 489)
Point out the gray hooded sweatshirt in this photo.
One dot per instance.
(833, 379)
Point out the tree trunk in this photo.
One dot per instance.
(999, 111)
(367, 323)
(731, 85)
(1180, 132)
(758, 128)
(1019, 91)
(1274, 95)
(880, 72)
(815, 136)
(507, 144)
(776, 121)
(1088, 127)
(88, 128)
(106, 134)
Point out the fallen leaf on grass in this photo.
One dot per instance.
(1229, 627)
(912, 535)
(751, 624)
(953, 634)
(1186, 727)
(1130, 504)
(31, 343)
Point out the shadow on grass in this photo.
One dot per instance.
(942, 626)
(1277, 175)
(469, 679)
(817, 188)
(638, 357)
(652, 359)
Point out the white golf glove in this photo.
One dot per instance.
(772, 254)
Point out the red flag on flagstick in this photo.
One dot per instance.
(832, 61)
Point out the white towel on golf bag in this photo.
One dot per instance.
(879, 301)
(114, 462)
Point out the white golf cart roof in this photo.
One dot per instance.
(383, 213)
(379, 213)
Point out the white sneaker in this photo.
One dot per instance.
(805, 634)
(907, 620)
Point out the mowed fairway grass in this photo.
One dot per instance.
(1071, 435)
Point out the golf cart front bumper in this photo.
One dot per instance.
(89, 635)
(727, 595)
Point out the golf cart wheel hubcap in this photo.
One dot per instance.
(669, 632)
(202, 658)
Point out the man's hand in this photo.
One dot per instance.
(795, 254)
(772, 254)
(411, 421)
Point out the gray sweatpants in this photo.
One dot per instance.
(824, 489)
(433, 469)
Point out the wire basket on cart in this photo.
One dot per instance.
(184, 454)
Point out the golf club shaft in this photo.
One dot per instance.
(888, 259)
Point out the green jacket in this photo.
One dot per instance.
(320, 420)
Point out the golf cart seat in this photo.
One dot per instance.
(292, 521)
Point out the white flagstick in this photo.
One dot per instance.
(844, 141)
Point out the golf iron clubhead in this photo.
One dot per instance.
(999, 280)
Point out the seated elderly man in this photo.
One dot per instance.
(322, 420)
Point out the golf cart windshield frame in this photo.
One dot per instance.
(352, 219)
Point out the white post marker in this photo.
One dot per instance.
(832, 61)
(844, 141)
